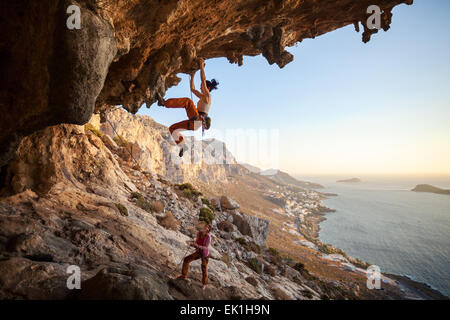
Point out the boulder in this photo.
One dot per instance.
(121, 284)
(252, 226)
(22, 278)
(228, 203)
(225, 226)
(215, 202)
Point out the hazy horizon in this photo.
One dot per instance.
(345, 175)
(343, 107)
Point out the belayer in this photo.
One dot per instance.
(198, 116)
(201, 244)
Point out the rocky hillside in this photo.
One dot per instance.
(113, 205)
(71, 196)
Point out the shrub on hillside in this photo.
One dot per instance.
(141, 202)
(188, 190)
(206, 215)
(280, 294)
(187, 193)
(274, 251)
(206, 202)
(121, 141)
(243, 243)
(253, 263)
(157, 206)
(91, 128)
(168, 221)
(270, 270)
(329, 249)
(254, 247)
(122, 209)
(300, 267)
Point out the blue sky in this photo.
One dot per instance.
(342, 106)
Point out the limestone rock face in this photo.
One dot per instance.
(150, 146)
(50, 74)
(128, 50)
(64, 153)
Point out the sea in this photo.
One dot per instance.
(381, 221)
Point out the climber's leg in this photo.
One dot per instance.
(176, 128)
(185, 103)
(204, 272)
(187, 261)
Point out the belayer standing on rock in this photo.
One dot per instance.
(198, 116)
(202, 245)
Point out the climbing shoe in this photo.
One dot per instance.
(182, 150)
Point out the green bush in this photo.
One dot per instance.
(141, 202)
(188, 190)
(243, 243)
(187, 193)
(208, 203)
(122, 209)
(254, 247)
(300, 267)
(121, 141)
(253, 263)
(206, 215)
(274, 251)
(92, 129)
(329, 249)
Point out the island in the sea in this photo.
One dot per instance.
(353, 180)
(430, 188)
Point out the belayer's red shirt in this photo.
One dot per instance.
(203, 242)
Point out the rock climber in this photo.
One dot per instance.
(198, 116)
(201, 244)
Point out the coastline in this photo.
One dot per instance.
(412, 289)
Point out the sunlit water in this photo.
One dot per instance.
(381, 221)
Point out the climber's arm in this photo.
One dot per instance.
(204, 88)
(195, 91)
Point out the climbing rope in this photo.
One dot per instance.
(189, 78)
(137, 164)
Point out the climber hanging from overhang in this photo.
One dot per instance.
(198, 116)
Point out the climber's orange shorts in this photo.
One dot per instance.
(192, 114)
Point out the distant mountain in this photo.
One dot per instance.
(352, 180)
(251, 168)
(430, 188)
(282, 177)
